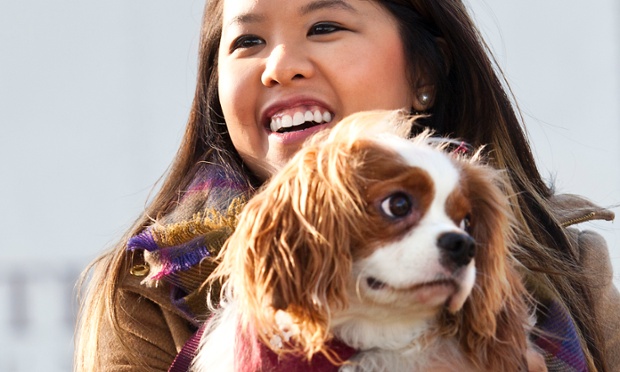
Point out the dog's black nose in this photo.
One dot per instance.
(458, 247)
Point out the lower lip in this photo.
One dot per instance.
(296, 137)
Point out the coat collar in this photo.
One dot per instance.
(570, 209)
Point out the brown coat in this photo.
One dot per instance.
(157, 330)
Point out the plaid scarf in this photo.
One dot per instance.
(559, 340)
(180, 247)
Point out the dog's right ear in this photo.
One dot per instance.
(494, 318)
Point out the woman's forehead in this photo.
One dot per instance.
(254, 10)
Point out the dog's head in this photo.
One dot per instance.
(398, 224)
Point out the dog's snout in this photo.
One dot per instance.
(458, 247)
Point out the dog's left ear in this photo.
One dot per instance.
(494, 317)
(291, 252)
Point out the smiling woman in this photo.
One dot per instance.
(272, 74)
(280, 61)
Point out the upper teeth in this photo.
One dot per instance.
(286, 121)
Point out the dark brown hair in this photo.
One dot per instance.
(472, 102)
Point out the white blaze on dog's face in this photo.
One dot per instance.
(419, 256)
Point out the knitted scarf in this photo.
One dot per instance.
(180, 248)
(559, 340)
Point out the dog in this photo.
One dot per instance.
(399, 248)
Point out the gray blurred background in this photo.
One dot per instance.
(94, 97)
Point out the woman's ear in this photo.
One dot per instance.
(425, 88)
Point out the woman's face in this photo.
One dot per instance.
(288, 69)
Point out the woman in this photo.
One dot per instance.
(304, 65)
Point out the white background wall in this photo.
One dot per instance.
(94, 97)
(562, 60)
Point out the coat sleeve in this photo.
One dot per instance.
(594, 257)
(151, 338)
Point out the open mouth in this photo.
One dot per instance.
(299, 121)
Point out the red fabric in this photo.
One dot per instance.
(253, 356)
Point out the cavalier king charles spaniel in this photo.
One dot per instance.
(400, 249)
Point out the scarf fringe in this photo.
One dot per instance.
(184, 261)
(144, 240)
(179, 246)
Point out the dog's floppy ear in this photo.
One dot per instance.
(494, 317)
(291, 250)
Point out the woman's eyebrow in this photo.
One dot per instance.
(323, 4)
(246, 18)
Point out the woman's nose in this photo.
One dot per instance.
(286, 64)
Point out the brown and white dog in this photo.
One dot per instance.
(393, 246)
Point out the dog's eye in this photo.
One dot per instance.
(465, 224)
(397, 205)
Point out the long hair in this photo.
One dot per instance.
(471, 102)
(205, 137)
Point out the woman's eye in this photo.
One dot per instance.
(397, 205)
(245, 42)
(323, 28)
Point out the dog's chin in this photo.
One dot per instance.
(450, 292)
